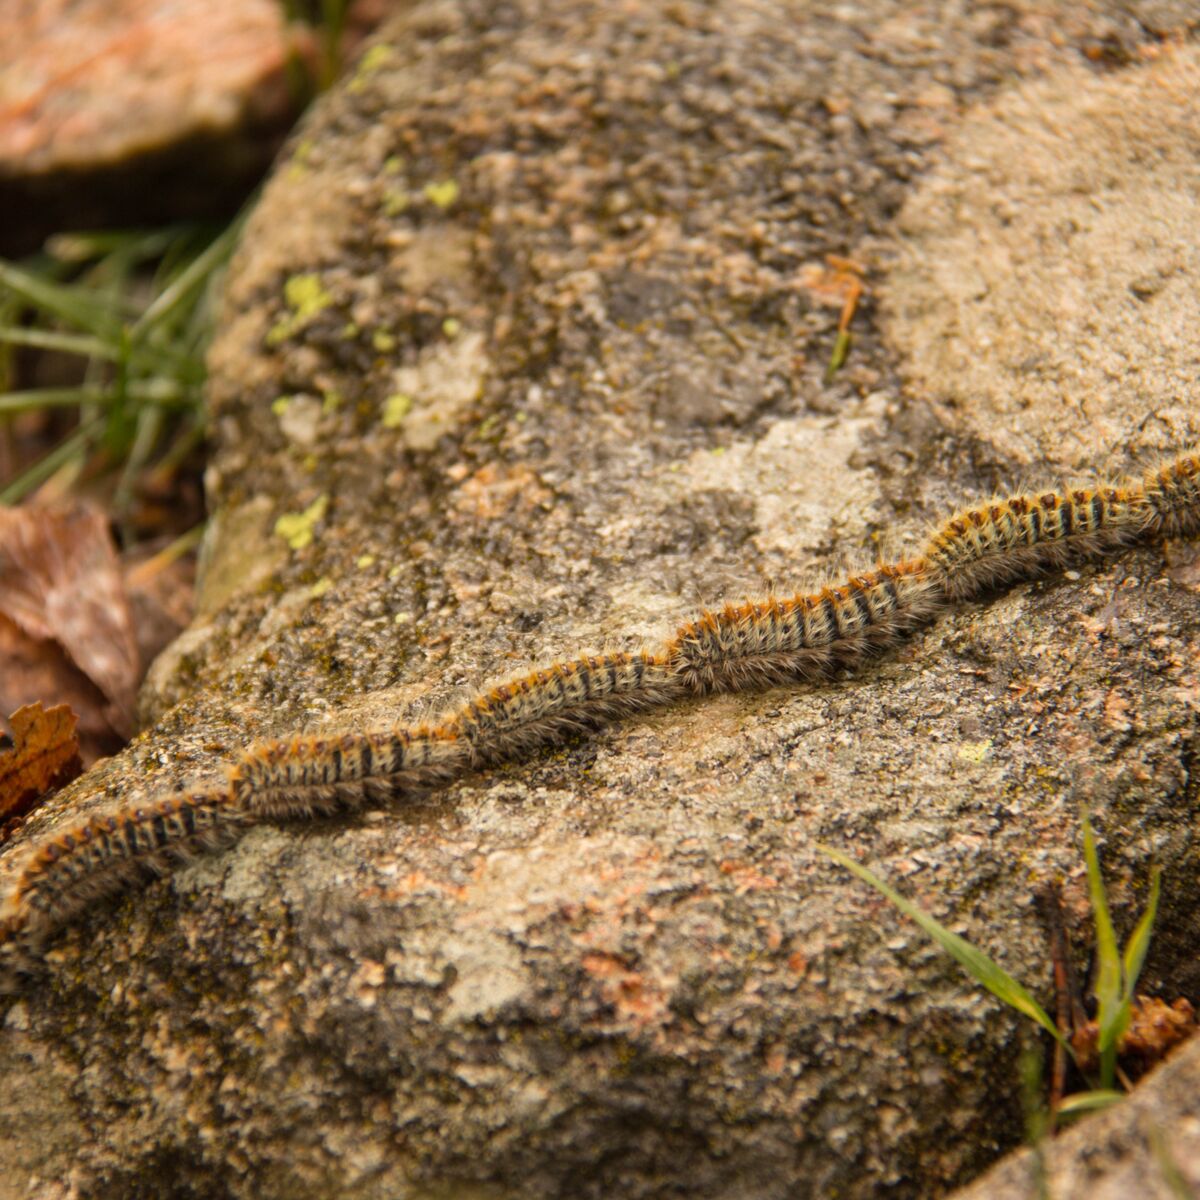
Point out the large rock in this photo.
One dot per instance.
(1148, 1147)
(1044, 290)
(115, 112)
(515, 364)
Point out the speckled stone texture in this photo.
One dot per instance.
(516, 348)
(1148, 1147)
(1046, 289)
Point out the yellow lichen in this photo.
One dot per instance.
(297, 528)
(395, 408)
(442, 194)
(306, 296)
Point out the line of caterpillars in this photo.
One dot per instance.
(745, 646)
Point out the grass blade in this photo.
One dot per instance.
(50, 339)
(41, 470)
(1139, 939)
(1111, 1014)
(150, 391)
(982, 968)
(67, 303)
(1093, 1101)
(196, 274)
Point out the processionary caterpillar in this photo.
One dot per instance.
(104, 853)
(742, 647)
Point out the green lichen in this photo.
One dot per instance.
(372, 61)
(297, 528)
(395, 201)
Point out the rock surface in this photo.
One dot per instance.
(515, 364)
(1045, 291)
(119, 111)
(1148, 1147)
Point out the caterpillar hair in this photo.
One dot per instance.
(991, 544)
(547, 705)
(1173, 494)
(304, 777)
(808, 636)
(102, 854)
(307, 776)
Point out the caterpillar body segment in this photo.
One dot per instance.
(1020, 537)
(807, 636)
(305, 777)
(102, 854)
(320, 775)
(547, 705)
(1173, 496)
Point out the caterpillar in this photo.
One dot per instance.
(307, 776)
(1173, 494)
(545, 705)
(103, 855)
(807, 636)
(994, 543)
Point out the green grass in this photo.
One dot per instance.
(135, 311)
(1116, 974)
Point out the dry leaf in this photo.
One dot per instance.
(60, 582)
(45, 755)
(1155, 1028)
(161, 589)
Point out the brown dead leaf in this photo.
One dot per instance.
(45, 755)
(160, 583)
(35, 671)
(1155, 1028)
(60, 582)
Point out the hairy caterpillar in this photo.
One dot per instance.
(309, 776)
(320, 775)
(544, 705)
(741, 647)
(103, 854)
(807, 636)
(991, 544)
(1173, 493)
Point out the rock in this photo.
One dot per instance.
(115, 113)
(621, 967)
(1046, 278)
(1148, 1146)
